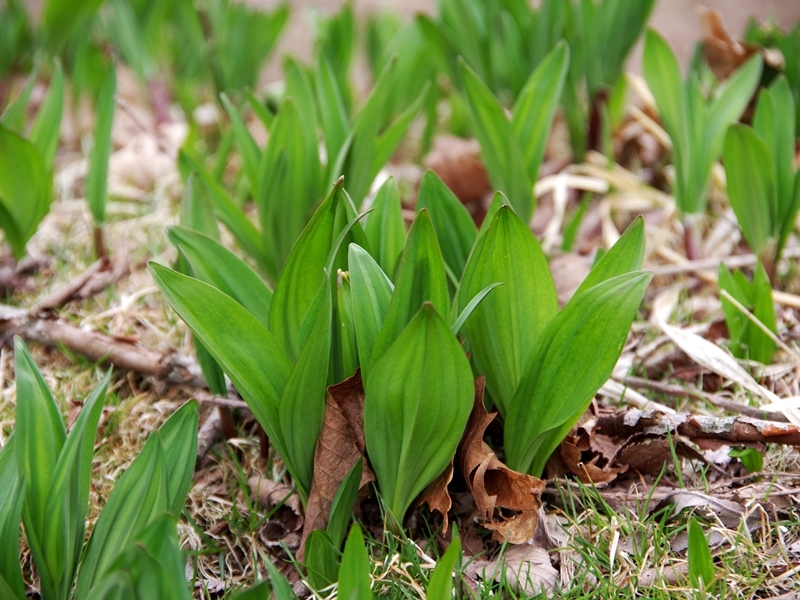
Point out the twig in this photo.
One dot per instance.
(730, 429)
(211, 399)
(740, 260)
(100, 347)
(719, 402)
(210, 433)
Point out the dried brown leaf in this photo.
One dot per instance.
(271, 494)
(458, 164)
(729, 513)
(527, 569)
(340, 445)
(493, 484)
(437, 497)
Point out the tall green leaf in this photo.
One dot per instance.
(45, 130)
(418, 399)
(440, 586)
(97, 177)
(626, 255)
(11, 497)
(385, 228)
(179, 442)
(354, 573)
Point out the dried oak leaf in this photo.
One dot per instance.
(493, 484)
(340, 445)
(271, 494)
(458, 164)
(527, 569)
(586, 471)
(437, 497)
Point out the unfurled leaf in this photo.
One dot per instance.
(420, 278)
(322, 560)
(701, 565)
(45, 130)
(344, 345)
(179, 442)
(342, 507)
(25, 189)
(215, 265)
(302, 406)
(504, 328)
(440, 586)
(385, 228)
(11, 497)
(418, 400)
(626, 255)
(354, 573)
(331, 110)
(751, 458)
(570, 361)
(97, 177)
(256, 364)
(259, 591)
(454, 228)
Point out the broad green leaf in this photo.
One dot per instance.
(418, 399)
(140, 495)
(734, 319)
(626, 255)
(332, 114)
(37, 419)
(251, 154)
(302, 406)
(259, 591)
(322, 564)
(97, 177)
(730, 100)
(371, 295)
(11, 497)
(197, 212)
(663, 75)
(761, 345)
(68, 497)
(25, 189)
(385, 228)
(440, 586)
(454, 227)
(280, 586)
(179, 442)
(500, 148)
(232, 216)
(504, 328)
(247, 352)
(571, 360)
(342, 505)
(751, 458)
(536, 106)
(701, 565)
(215, 265)
(420, 278)
(45, 130)
(298, 283)
(354, 572)
(750, 173)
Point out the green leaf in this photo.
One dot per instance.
(13, 117)
(729, 102)
(536, 106)
(663, 75)
(761, 345)
(234, 219)
(322, 564)
(505, 327)
(750, 172)
(97, 177)
(751, 458)
(734, 319)
(343, 503)
(261, 111)
(45, 130)
(440, 586)
(571, 360)
(251, 154)
(331, 111)
(390, 138)
(259, 591)
(701, 565)
(280, 587)
(626, 255)
(37, 419)
(215, 265)
(418, 399)
(197, 212)
(298, 283)
(61, 19)
(68, 496)
(354, 573)
(247, 352)
(454, 227)
(25, 189)
(473, 304)
(500, 148)
(12, 490)
(420, 278)
(344, 345)
(371, 295)
(179, 442)
(302, 406)
(140, 495)
(385, 228)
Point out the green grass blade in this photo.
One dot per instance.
(197, 212)
(342, 505)
(701, 565)
(354, 573)
(440, 586)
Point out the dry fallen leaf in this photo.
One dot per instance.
(458, 164)
(493, 484)
(729, 513)
(527, 569)
(271, 494)
(437, 497)
(340, 445)
(568, 270)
